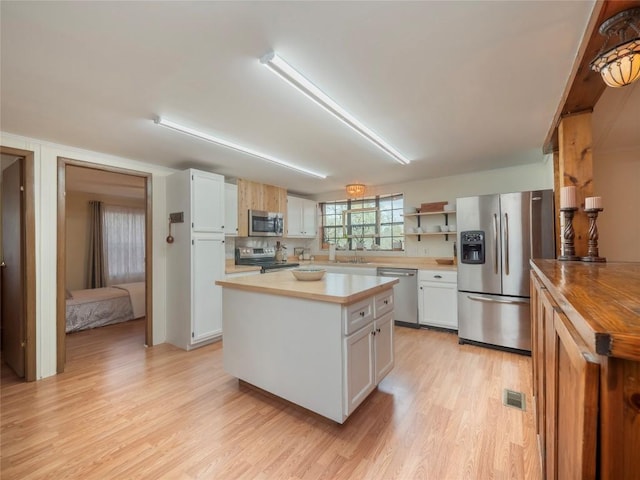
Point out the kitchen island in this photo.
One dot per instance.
(324, 345)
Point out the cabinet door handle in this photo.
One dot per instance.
(437, 276)
(362, 314)
(378, 330)
(386, 302)
(373, 333)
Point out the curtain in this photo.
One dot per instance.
(95, 274)
(124, 242)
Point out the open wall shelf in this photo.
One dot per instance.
(418, 215)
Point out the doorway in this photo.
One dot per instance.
(63, 165)
(18, 269)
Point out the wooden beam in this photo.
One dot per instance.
(576, 168)
(584, 86)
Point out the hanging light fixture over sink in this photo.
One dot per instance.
(355, 189)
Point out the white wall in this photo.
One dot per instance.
(45, 178)
(616, 178)
(616, 171)
(535, 176)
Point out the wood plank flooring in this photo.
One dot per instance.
(123, 411)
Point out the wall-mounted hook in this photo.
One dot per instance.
(169, 237)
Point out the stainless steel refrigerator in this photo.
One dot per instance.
(497, 235)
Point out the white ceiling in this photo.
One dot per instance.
(456, 86)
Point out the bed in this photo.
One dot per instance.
(98, 307)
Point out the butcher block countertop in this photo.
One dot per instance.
(334, 287)
(230, 267)
(421, 263)
(602, 300)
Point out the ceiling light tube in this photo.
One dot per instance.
(285, 71)
(218, 141)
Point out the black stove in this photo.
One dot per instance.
(263, 257)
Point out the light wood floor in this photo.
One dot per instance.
(123, 411)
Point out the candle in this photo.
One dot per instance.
(568, 197)
(591, 203)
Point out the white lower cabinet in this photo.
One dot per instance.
(208, 265)
(369, 357)
(383, 346)
(437, 299)
(359, 362)
(194, 301)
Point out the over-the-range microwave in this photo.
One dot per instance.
(265, 224)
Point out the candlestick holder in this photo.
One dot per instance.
(568, 235)
(592, 250)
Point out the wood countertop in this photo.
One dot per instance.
(231, 268)
(334, 287)
(420, 265)
(602, 300)
(372, 262)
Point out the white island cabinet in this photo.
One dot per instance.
(195, 259)
(322, 345)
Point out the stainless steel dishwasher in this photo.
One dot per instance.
(405, 294)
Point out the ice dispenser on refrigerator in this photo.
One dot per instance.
(472, 246)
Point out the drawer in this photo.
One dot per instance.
(383, 303)
(357, 315)
(444, 276)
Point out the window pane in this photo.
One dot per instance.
(380, 227)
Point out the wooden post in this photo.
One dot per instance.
(576, 168)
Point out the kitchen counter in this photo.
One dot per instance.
(602, 300)
(421, 263)
(334, 288)
(323, 345)
(586, 367)
(232, 268)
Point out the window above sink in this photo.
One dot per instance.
(373, 223)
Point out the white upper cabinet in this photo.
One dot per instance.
(301, 217)
(230, 209)
(207, 200)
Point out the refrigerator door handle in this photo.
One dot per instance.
(495, 243)
(506, 244)
(494, 300)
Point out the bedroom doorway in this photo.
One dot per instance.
(124, 287)
(17, 267)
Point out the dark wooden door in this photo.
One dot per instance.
(13, 315)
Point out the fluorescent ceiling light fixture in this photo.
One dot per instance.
(285, 71)
(225, 143)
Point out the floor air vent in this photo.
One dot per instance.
(513, 399)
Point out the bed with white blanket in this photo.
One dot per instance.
(98, 307)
